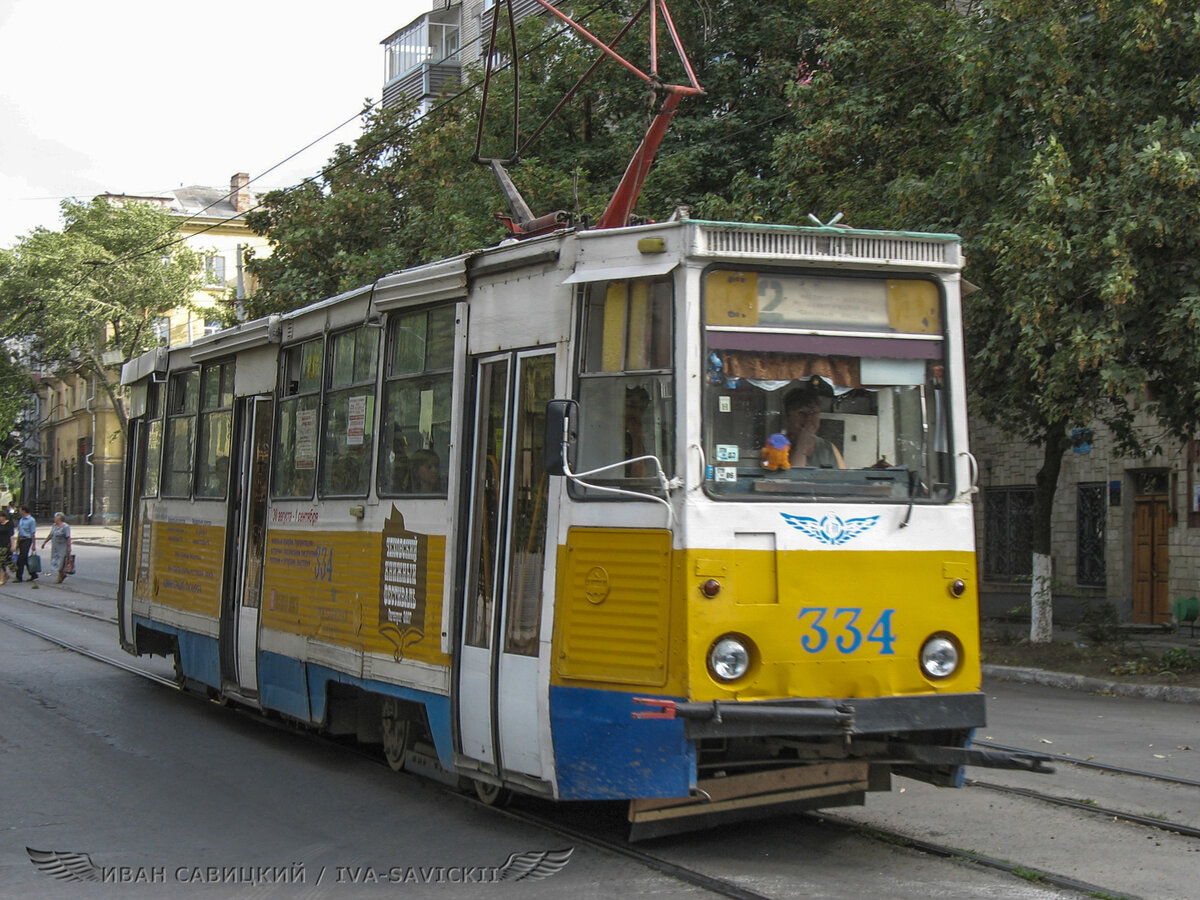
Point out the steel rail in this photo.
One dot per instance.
(710, 883)
(1026, 873)
(722, 887)
(1105, 811)
(1089, 764)
(90, 654)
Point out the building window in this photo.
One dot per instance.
(214, 271)
(1007, 533)
(215, 435)
(183, 399)
(161, 328)
(295, 460)
(349, 432)
(1090, 519)
(416, 403)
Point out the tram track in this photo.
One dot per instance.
(553, 824)
(1092, 764)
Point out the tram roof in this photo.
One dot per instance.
(448, 278)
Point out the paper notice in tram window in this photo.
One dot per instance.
(356, 420)
(726, 473)
(728, 453)
(306, 439)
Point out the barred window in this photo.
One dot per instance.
(1007, 533)
(1090, 520)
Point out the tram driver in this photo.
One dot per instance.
(801, 419)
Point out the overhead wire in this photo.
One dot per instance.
(358, 153)
(454, 98)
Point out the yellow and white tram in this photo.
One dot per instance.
(677, 513)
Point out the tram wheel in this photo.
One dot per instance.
(396, 731)
(492, 794)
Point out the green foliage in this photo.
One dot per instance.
(78, 299)
(1100, 623)
(16, 387)
(1179, 658)
(407, 192)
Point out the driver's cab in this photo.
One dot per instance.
(825, 386)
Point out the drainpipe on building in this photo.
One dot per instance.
(240, 305)
(91, 452)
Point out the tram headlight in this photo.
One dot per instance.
(729, 657)
(939, 657)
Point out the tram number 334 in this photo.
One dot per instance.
(844, 625)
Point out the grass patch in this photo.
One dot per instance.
(1123, 660)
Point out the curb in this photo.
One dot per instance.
(1165, 692)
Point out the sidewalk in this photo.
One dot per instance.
(1154, 640)
(101, 535)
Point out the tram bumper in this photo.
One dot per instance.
(903, 724)
(820, 717)
(922, 737)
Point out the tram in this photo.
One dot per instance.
(676, 513)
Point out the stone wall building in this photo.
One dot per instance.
(1125, 531)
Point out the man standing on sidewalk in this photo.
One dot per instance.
(26, 535)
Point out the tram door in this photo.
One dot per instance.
(245, 538)
(131, 549)
(498, 702)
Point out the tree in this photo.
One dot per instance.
(408, 192)
(84, 300)
(15, 389)
(1061, 142)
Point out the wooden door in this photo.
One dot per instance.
(1151, 561)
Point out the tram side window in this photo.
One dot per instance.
(349, 432)
(215, 430)
(626, 378)
(183, 396)
(295, 473)
(415, 444)
(154, 439)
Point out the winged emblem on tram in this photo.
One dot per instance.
(832, 530)
(64, 866)
(534, 865)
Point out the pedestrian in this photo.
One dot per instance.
(60, 549)
(26, 536)
(6, 545)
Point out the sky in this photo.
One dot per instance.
(140, 97)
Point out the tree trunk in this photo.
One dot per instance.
(1041, 590)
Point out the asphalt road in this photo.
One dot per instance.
(153, 783)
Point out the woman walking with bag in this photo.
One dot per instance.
(60, 551)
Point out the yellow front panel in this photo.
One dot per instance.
(613, 609)
(845, 624)
(186, 563)
(358, 589)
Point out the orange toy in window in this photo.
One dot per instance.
(775, 454)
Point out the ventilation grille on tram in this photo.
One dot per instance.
(850, 247)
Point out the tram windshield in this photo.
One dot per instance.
(824, 387)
